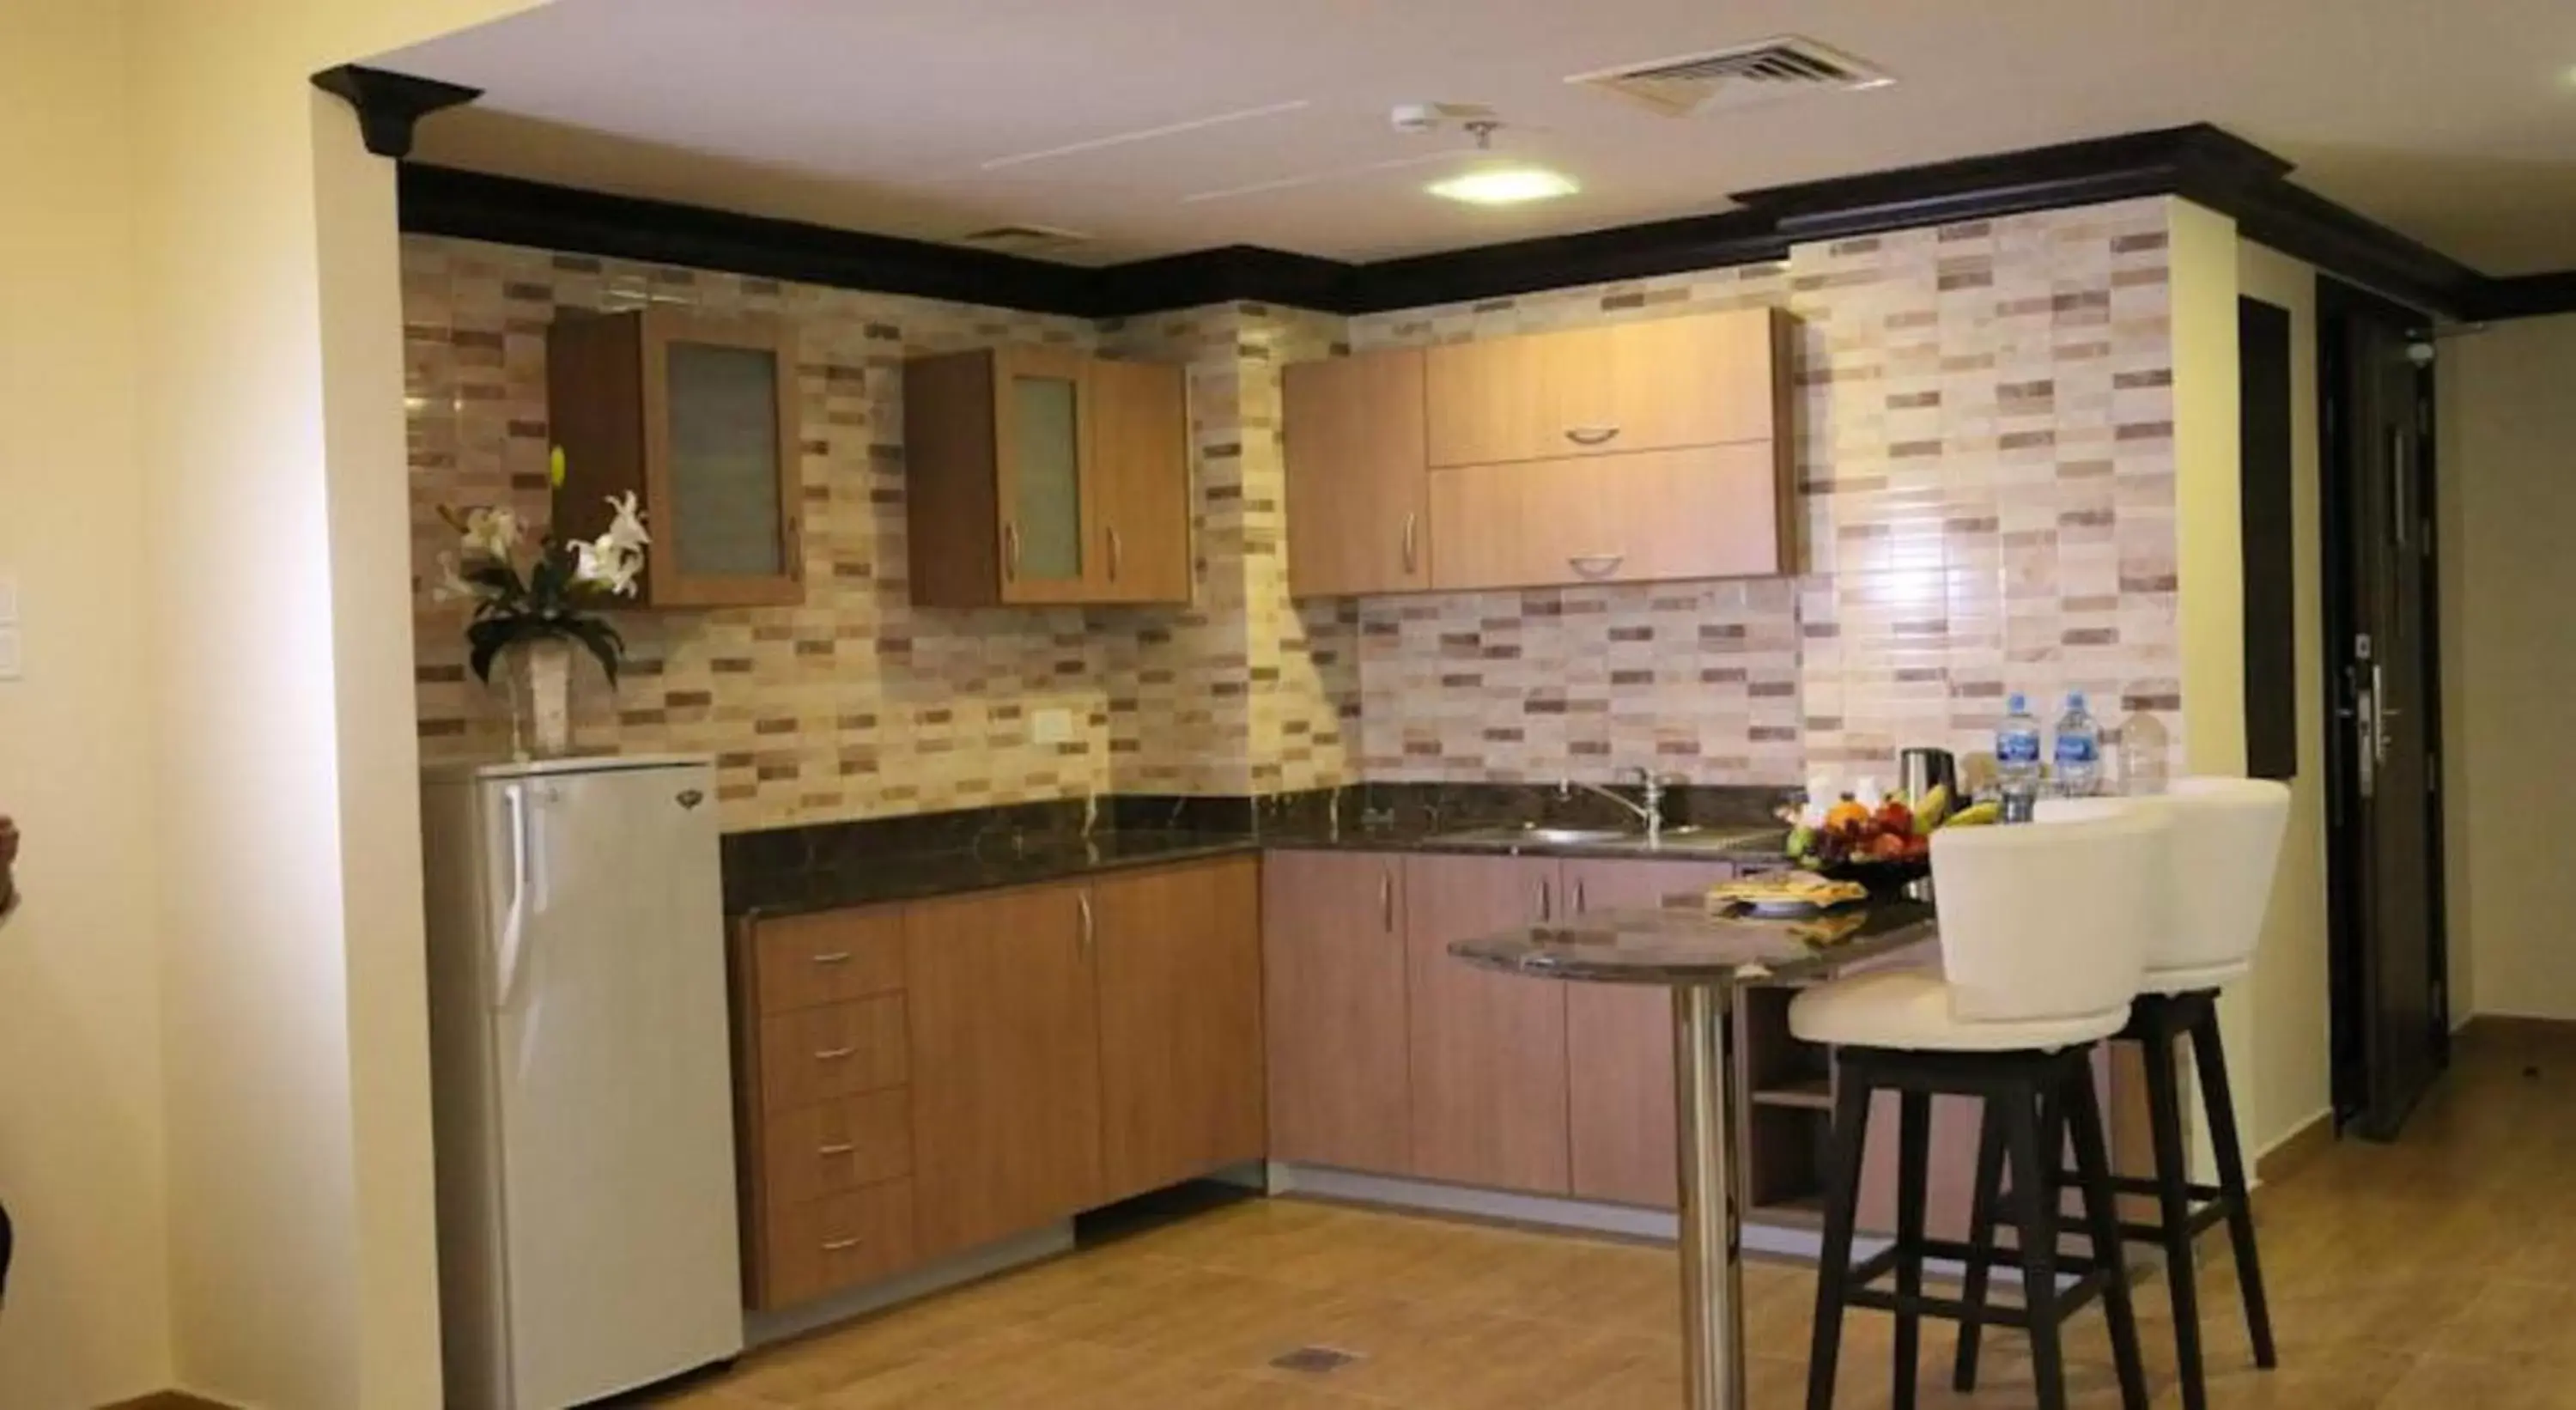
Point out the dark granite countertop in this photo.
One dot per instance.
(789, 871)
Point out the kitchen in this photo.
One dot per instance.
(1040, 901)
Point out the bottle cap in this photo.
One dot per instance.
(2075, 700)
(2016, 703)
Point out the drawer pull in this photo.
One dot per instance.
(837, 1148)
(1595, 565)
(1591, 435)
(833, 1054)
(841, 1245)
(833, 957)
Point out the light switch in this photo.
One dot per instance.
(8, 600)
(1051, 726)
(11, 667)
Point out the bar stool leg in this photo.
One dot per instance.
(2211, 1058)
(1981, 1239)
(1913, 1172)
(1842, 1209)
(2093, 1167)
(2030, 1187)
(2173, 1202)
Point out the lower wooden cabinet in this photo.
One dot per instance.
(1333, 956)
(1488, 1049)
(1620, 1117)
(1178, 960)
(839, 1241)
(1005, 1061)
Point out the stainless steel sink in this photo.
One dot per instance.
(1687, 838)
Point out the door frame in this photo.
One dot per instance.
(2338, 306)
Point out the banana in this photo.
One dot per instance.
(1934, 807)
(1982, 815)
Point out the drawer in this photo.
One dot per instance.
(1711, 512)
(838, 1241)
(812, 1151)
(838, 1050)
(800, 962)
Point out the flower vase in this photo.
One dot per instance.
(541, 698)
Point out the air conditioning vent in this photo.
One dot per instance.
(1692, 84)
(1023, 239)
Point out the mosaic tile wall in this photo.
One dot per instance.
(1986, 443)
(854, 704)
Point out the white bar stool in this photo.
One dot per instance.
(2225, 847)
(2044, 937)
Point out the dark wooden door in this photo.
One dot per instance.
(2392, 1018)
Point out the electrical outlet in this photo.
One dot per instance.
(1051, 726)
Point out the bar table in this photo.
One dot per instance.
(1703, 959)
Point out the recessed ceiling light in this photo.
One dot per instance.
(1505, 186)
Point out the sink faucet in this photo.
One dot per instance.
(1650, 812)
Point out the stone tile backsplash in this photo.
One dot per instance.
(1985, 444)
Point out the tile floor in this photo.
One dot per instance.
(2440, 1272)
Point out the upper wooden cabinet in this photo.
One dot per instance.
(1659, 384)
(1358, 503)
(1634, 452)
(696, 416)
(1039, 475)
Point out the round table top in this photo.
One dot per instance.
(1684, 945)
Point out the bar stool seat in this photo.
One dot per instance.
(1906, 1008)
(2044, 934)
(2187, 979)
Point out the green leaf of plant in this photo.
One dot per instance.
(602, 640)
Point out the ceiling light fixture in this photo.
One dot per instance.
(1505, 186)
(1501, 185)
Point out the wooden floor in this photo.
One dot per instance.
(2440, 1272)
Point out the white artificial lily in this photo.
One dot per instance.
(492, 533)
(451, 585)
(602, 563)
(626, 525)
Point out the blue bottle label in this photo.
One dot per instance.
(2077, 749)
(2017, 748)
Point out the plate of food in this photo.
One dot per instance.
(1783, 894)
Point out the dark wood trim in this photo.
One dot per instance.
(2201, 163)
(390, 105)
(2525, 296)
(2265, 446)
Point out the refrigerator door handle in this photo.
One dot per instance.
(505, 978)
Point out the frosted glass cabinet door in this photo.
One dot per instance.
(725, 462)
(1046, 506)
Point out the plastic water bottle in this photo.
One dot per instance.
(2143, 745)
(2017, 758)
(2079, 750)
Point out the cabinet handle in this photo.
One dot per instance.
(1116, 552)
(1412, 560)
(837, 1148)
(833, 957)
(833, 1054)
(841, 1245)
(1386, 897)
(1010, 550)
(1591, 435)
(1582, 901)
(1595, 565)
(1546, 899)
(1090, 932)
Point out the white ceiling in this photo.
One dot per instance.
(2452, 120)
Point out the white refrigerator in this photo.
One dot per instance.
(583, 1087)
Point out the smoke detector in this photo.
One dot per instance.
(1434, 117)
(1023, 239)
(1691, 85)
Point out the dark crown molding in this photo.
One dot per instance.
(2200, 163)
(390, 105)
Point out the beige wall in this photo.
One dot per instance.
(2509, 496)
(293, 1002)
(2293, 1055)
(80, 1054)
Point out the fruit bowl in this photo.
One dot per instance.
(1886, 846)
(1883, 877)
